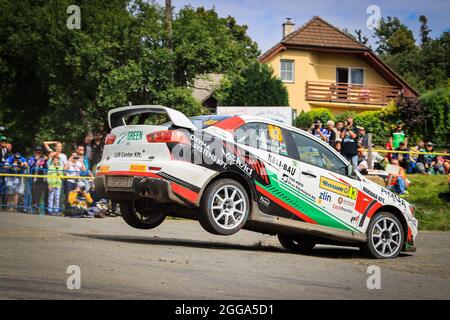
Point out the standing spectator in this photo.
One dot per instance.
(73, 167)
(15, 164)
(97, 146)
(57, 152)
(363, 138)
(330, 135)
(55, 170)
(80, 153)
(349, 135)
(4, 155)
(403, 158)
(398, 182)
(318, 131)
(9, 148)
(88, 149)
(338, 129)
(398, 135)
(38, 166)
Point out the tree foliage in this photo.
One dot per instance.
(57, 83)
(425, 66)
(255, 85)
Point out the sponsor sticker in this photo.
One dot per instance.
(104, 169)
(129, 136)
(138, 167)
(338, 187)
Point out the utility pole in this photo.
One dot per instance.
(168, 35)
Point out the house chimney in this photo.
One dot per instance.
(288, 27)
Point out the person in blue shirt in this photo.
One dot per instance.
(15, 164)
(38, 166)
(318, 131)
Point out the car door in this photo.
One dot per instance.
(327, 195)
(274, 170)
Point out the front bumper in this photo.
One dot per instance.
(157, 189)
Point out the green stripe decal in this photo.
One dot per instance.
(303, 203)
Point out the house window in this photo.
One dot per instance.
(287, 70)
(350, 75)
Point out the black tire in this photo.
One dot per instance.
(296, 244)
(210, 200)
(136, 216)
(373, 248)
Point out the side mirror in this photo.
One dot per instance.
(350, 170)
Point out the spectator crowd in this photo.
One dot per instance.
(352, 142)
(66, 185)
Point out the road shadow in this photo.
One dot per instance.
(330, 252)
(182, 243)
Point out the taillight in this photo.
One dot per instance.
(110, 138)
(168, 136)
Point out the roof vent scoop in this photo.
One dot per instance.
(288, 27)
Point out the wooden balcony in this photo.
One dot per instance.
(351, 93)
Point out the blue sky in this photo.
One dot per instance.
(265, 17)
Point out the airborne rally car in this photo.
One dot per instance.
(232, 172)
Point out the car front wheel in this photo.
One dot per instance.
(138, 215)
(385, 236)
(224, 207)
(295, 243)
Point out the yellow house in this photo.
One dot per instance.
(323, 66)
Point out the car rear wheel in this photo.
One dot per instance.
(385, 236)
(296, 243)
(224, 207)
(138, 215)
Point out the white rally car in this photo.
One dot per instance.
(232, 172)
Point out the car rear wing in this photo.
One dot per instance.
(116, 116)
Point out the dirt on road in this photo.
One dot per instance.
(179, 260)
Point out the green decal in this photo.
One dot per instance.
(134, 135)
(304, 204)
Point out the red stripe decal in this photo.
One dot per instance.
(341, 180)
(230, 123)
(285, 205)
(128, 173)
(374, 209)
(184, 192)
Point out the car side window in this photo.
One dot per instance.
(262, 136)
(312, 152)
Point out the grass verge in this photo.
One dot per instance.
(432, 211)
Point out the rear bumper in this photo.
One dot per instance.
(157, 189)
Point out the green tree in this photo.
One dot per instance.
(424, 30)
(253, 86)
(59, 83)
(205, 43)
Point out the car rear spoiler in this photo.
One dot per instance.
(116, 116)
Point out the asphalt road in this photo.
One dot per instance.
(179, 260)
